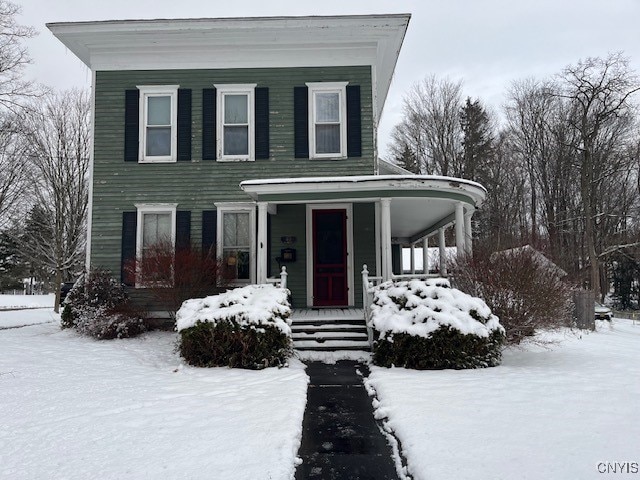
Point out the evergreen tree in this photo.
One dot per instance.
(477, 141)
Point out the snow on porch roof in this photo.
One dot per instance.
(371, 186)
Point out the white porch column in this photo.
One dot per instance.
(261, 263)
(469, 234)
(460, 237)
(443, 252)
(413, 258)
(385, 240)
(425, 255)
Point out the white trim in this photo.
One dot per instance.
(377, 235)
(262, 256)
(258, 42)
(147, 91)
(159, 208)
(235, 88)
(238, 207)
(87, 259)
(348, 207)
(327, 87)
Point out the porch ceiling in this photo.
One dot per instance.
(412, 218)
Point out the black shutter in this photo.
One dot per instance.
(262, 123)
(354, 129)
(209, 231)
(128, 250)
(184, 125)
(209, 124)
(301, 121)
(131, 124)
(183, 230)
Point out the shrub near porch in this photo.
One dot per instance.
(246, 327)
(429, 325)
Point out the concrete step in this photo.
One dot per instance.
(331, 345)
(329, 328)
(324, 336)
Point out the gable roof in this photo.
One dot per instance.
(251, 42)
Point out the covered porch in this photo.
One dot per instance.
(373, 216)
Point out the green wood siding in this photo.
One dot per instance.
(364, 245)
(290, 221)
(196, 185)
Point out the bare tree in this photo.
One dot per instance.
(599, 91)
(431, 129)
(13, 169)
(58, 140)
(13, 58)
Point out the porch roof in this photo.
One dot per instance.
(420, 204)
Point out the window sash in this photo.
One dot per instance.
(158, 123)
(235, 125)
(327, 119)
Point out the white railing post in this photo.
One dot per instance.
(366, 302)
(283, 277)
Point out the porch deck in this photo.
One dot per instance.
(320, 314)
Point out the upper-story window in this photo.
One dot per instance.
(158, 123)
(236, 124)
(327, 120)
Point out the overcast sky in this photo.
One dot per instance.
(486, 43)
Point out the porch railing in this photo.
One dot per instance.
(368, 282)
(280, 281)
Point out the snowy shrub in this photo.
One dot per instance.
(99, 307)
(246, 327)
(527, 293)
(429, 325)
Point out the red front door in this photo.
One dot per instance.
(330, 258)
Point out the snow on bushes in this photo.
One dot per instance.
(429, 325)
(98, 306)
(246, 327)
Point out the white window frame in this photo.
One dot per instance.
(327, 87)
(153, 208)
(235, 89)
(147, 91)
(238, 207)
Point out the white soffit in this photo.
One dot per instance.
(258, 42)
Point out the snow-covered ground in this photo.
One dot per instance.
(26, 301)
(75, 408)
(544, 413)
(20, 318)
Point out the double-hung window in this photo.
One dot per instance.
(327, 122)
(236, 125)
(237, 240)
(156, 235)
(158, 123)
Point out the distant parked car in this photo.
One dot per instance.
(602, 312)
(65, 288)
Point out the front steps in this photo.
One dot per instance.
(329, 330)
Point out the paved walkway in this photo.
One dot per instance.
(340, 438)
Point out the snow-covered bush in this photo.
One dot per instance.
(98, 306)
(526, 290)
(246, 327)
(426, 324)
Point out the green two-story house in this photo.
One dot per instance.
(256, 137)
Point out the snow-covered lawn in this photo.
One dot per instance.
(76, 408)
(544, 413)
(26, 301)
(20, 318)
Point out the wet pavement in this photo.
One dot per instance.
(340, 438)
